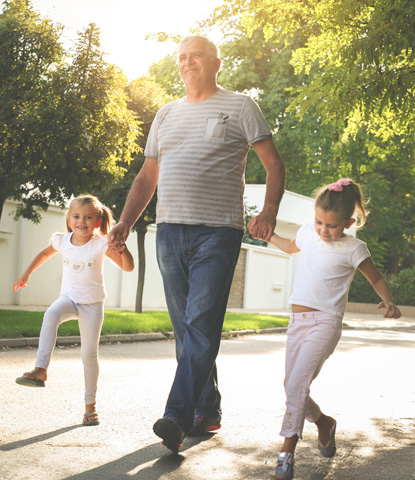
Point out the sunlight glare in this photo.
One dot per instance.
(124, 25)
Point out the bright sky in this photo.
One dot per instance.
(124, 25)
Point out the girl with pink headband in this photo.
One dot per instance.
(327, 263)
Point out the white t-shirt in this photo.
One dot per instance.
(325, 270)
(201, 150)
(83, 267)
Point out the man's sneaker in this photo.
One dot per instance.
(204, 425)
(168, 429)
(285, 466)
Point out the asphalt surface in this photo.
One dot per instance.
(368, 385)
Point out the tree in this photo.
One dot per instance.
(146, 96)
(167, 75)
(166, 71)
(363, 50)
(29, 51)
(66, 125)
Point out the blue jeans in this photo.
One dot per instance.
(197, 264)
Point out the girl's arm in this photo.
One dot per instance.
(287, 245)
(122, 258)
(382, 288)
(39, 259)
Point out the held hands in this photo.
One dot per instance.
(392, 311)
(262, 226)
(117, 237)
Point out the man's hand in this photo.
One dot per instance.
(262, 226)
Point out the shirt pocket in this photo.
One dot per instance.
(216, 129)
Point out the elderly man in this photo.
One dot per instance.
(196, 152)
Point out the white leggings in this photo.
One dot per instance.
(90, 318)
(311, 339)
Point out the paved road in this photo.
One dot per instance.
(368, 385)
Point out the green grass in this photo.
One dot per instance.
(22, 323)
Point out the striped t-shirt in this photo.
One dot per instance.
(201, 150)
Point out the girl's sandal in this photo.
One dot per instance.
(90, 419)
(30, 382)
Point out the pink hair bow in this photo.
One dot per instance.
(338, 186)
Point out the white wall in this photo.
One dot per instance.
(294, 209)
(268, 278)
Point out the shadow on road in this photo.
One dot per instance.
(135, 465)
(38, 438)
(358, 457)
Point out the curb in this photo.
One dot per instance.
(28, 342)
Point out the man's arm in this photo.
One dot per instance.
(140, 194)
(263, 225)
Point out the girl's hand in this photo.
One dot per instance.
(117, 245)
(117, 237)
(252, 223)
(392, 311)
(21, 282)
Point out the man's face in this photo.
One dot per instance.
(196, 65)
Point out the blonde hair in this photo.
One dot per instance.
(345, 197)
(104, 213)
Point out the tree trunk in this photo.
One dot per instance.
(141, 229)
(2, 202)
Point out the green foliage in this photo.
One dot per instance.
(403, 287)
(361, 50)
(29, 51)
(67, 129)
(167, 74)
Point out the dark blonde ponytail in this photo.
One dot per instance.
(345, 197)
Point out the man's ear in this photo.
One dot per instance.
(218, 63)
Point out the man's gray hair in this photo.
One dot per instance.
(211, 48)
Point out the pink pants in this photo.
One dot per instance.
(311, 339)
(90, 317)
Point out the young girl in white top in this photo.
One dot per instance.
(327, 263)
(82, 294)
